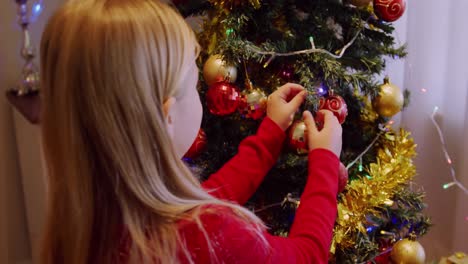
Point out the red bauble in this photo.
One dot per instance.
(337, 105)
(198, 145)
(342, 177)
(222, 98)
(389, 10)
(297, 139)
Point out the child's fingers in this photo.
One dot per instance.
(288, 90)
(298, 100)
(329, 118)
(309, 122)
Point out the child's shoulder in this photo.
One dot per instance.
(227, 231)
(209, 214)
(214, 219)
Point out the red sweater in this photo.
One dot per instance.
(233, 240)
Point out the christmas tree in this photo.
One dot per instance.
(336, 50)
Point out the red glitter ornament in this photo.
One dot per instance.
(222, 98)
(389, 10)
(198, 145)
(337, 105)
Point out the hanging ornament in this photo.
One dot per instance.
(360, 3)
(342, 178)
(390, 99)
(216, 70)
(408, 251)
(297, 140)
(336, 104)
(198, 145)
(222, 98)
(253, 102)
(389, 10)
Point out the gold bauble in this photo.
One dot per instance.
(360, 3)
(390, 99)
(407, 251)
(215, 70)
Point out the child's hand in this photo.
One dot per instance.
(284, 102)
(329, 137)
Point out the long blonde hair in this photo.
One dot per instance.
(107, 67)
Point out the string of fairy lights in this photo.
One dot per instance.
(455, 182)
(337, 55)
(453, 175)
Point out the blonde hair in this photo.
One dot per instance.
(107, 67)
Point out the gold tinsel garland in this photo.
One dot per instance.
(393, 169)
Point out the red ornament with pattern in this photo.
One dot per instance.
(389, 10)
(337, 105)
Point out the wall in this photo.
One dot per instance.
(21, 175)
(437, 40)
(15, 246)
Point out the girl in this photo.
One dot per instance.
(120, 109)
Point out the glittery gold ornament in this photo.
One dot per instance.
(215, 70)
(390, 99)
(360, 3)
(408, 251)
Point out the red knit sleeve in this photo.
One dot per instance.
(235, 241)
(240, 177)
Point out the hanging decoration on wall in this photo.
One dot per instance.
(25, 95)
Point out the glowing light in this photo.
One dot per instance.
(448, 185)
(383, 232)
(391, 122)
(449, 161)
(360, 168)
(37, 8)
(388, 202)
(423, 90)
(229, 31)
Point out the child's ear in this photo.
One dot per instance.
(167, 106)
